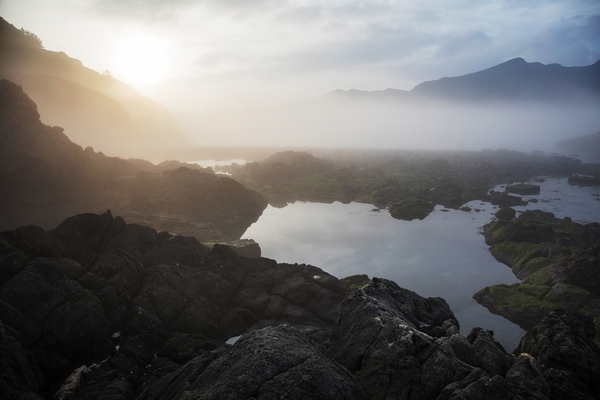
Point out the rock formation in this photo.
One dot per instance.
(96, 290)
(409, 183)
(557, 260)
(98, 308)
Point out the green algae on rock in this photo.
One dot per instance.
(557, 260)
(356, 281)
(410, 209)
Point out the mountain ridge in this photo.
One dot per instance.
(515, 79)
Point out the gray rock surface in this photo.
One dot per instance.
(563, 345)
(271, 363)
(101, 309)
(402, 346)
(125, 297)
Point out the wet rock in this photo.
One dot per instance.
(584, 181)
(506, 200)
(245, 247)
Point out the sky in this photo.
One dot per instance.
(200, 56)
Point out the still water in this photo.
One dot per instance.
(222, 163)
(443, 255)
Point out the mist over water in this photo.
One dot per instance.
(440, 126)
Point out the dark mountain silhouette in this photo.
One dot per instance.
(45, 177)
(514, 80)
(97, 110)
(587, 147)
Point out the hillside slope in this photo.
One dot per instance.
(97, 110)
(45, 177)
(587, 147)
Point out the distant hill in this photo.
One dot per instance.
(45, 177)
(95, 109)
(586, 147)
(514, 80)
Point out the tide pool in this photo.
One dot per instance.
(443, 255)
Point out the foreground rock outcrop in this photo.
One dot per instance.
(96, 290)
(101, 309)
(402, 346)
(274, 362)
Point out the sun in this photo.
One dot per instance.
(141, 59)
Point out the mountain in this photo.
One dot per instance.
(587, 147)
(514, 80)
(45, 177)
(97, 110)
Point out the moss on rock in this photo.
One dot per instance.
(411, 208)
(505, 214)
(356, 281)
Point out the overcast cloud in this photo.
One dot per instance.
(240, 53)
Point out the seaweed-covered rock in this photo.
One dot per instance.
(557, 266)
(410, 209)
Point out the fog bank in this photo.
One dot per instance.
(443, 126)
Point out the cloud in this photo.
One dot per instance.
(574, 41)
(167, 9)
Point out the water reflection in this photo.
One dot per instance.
(222, 163)
(443, 255)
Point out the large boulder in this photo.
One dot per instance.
(271, 363)
(403, 346)
(563, 346)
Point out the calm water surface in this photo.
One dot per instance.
(222, 163)
(443, 255)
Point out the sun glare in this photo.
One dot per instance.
(141, 59)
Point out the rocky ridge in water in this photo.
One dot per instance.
(408, 183)
(98, 308)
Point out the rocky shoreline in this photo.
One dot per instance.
(98, 308)
(408, 184)
(556, 260)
